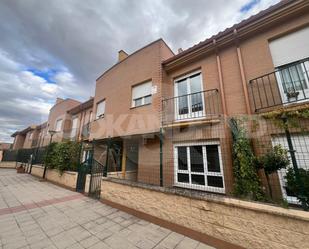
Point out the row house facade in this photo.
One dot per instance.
(160, 118)
(68, 119)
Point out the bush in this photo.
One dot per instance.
(247, 183)
(63, 156)
(298, 188)
(275, 159)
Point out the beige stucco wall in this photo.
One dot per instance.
(247, 224)
(37, 170)
(67, 178)
(87, 183)
(8, 165)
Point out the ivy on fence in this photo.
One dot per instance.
(63, 156)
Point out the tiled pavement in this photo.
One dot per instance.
(36, 214)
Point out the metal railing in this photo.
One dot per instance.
(199, 105)
(288, 84)
(9, 155)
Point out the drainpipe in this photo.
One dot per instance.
(242, 73)
(161, 156)
(107, 155)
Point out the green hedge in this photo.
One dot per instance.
(63, 156)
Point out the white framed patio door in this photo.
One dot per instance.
(290, 54)
(294, 82)
(189, 98)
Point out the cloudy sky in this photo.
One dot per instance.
(58, 48)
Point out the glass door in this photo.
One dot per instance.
(189, 101)
(293, 82)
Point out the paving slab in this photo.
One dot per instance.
(36, 214)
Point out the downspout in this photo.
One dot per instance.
(219, 67)
(242, 73)
(161, 156)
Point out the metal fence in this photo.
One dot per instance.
(260, 159)
(9, 155)
(34, 155)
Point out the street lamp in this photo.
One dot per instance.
(52, 133)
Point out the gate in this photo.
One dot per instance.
(97, 172)
(83, 169)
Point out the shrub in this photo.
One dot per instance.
(63, 156)
(274, 160)
(247, 183)
(298, 187)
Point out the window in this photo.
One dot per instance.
(100, 109)
(199, 166)
(31, 135)
(189, 99)
(74, 127)
(292, 78)
(58, 125)
(141, 94)
(300, 145)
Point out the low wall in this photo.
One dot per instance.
(67, 179)
(8, 165)
(87, 183)
(37, 170)
(214, 219)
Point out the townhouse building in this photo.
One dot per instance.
(161, 119)
(68, 119)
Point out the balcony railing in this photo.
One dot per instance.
(199, 105)
(286, 85)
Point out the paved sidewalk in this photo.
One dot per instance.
(36, 214)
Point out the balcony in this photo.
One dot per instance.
(286, 85)
(191, 107)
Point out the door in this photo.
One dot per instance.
(131, 165)
(293, 82)
(189, 100)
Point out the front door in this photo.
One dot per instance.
(131, 165)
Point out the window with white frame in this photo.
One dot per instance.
(199, 166)
(141, 94)
(100, 109)
(74, 127)
(189, 99)
(58, 125)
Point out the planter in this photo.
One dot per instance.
(20, 169)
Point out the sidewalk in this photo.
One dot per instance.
(36, 214)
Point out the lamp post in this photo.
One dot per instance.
(52, 133)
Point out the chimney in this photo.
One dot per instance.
(122, 55)
(58, 100)
(180, 50)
